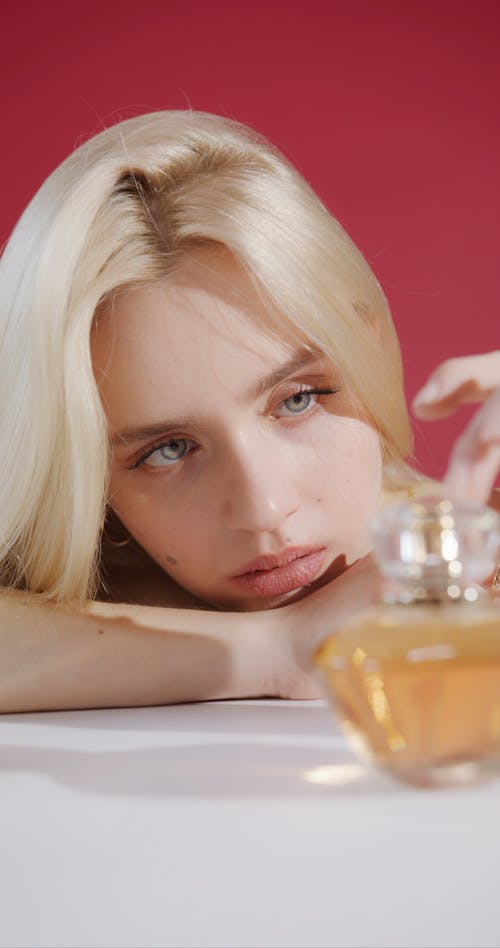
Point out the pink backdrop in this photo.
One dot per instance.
(389, 107)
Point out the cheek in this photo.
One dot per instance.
(172, 533)
(142, 510)
(348, 447)
(348, 472)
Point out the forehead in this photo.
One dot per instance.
(204, 324)
(209, 297)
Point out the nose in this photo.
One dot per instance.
(258, 489)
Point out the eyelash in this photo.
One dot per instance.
(306, 390)
(302, 390)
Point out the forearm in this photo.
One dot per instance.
(106, 655)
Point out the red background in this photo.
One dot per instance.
(389, 107)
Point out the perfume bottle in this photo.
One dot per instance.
(416, 679)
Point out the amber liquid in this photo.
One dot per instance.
(417, 689)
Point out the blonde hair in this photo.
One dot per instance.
(123, 209)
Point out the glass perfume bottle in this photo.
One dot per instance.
(416, 679)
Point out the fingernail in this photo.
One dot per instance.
(429, 393)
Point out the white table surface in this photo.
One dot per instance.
(212, 825)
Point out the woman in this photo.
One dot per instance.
(202, 408)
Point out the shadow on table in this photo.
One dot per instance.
(233, 770)
(223, 717)
(215, 749)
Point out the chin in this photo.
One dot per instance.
(274, 602)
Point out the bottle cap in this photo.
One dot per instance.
(435, 541)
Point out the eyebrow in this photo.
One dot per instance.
(300, 360)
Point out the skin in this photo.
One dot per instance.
(241, 464)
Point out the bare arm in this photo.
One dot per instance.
(107, 655)
(121, 655)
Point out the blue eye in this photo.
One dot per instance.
(166, 454)
(299, 402)
(303, 400)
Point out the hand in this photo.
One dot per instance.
(475, 458)
(301, 627)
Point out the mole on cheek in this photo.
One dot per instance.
(172, 560)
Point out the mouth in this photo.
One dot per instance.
(276, 575)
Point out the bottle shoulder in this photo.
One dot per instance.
(396, 631)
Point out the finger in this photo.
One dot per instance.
(475, 459)
(457, 381)
(428, 407)
(473, 481)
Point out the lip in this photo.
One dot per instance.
(276, 575)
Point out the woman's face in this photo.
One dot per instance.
(239, 460)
